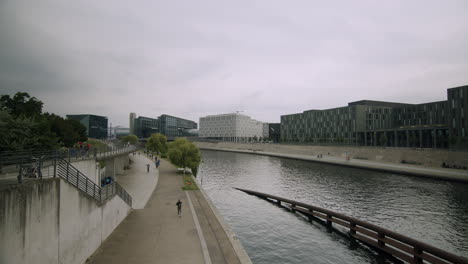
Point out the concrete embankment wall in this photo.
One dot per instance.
(90, 168)
(426, 157)
(50, 221)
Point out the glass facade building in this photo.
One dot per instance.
(170, 126)
(374, 123)
(96, 126)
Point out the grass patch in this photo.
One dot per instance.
(189, 183)
(98, 144)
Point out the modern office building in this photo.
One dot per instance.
(233, 127)
(173, 127)
(96, 126)
(274, 132)
(375, 123)
(120, 131)
(170, 126)
(132, 123)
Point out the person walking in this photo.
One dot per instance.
(179, 208)
(147, 167)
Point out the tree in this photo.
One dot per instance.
(68, 131)
(158, 143)
(25, 133)
(184, 154)
(21, 105)
(132, 139)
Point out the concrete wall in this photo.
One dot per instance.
(29, 227)
(80, 225)
(50, 221)
(427, 157)
(88, 168)
(115, 166)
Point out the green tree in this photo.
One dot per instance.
(21, 105)
(158, 143)
(25, 133)
(132, 139)
(69, 132)
(184, 154)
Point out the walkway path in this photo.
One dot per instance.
(139, 183)
(155, 234)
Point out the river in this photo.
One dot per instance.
(435, 212)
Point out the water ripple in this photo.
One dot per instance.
(432, 211)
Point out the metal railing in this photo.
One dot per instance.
(11, 160)
(66, 171)
(49, 164)
(399, 246)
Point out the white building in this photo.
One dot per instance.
(233, 127)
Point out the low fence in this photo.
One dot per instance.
(399, 246)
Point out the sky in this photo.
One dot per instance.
(265, 58)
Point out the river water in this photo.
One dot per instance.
(435, 212)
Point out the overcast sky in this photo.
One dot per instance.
(196, 58)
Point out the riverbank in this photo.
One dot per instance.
(336, 157)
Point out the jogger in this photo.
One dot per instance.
(179, 207)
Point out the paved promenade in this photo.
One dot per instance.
(414, 170)
(156, 234)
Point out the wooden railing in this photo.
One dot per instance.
(399, 246)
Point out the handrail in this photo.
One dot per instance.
(402, 247)
(18, 157)
(69, 173)
(59, 165)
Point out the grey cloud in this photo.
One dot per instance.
(193, 58)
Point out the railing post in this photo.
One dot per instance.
(417, 259)
(351, 230)
(329, 222)
(68, 166)
(311, 211)
(86, 186)
(20, 175)
(77, 177)
(55, 166)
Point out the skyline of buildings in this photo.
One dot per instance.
(438, 124)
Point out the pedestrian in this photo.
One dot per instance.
(147, 167)
(179, 208)
(158, 162)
